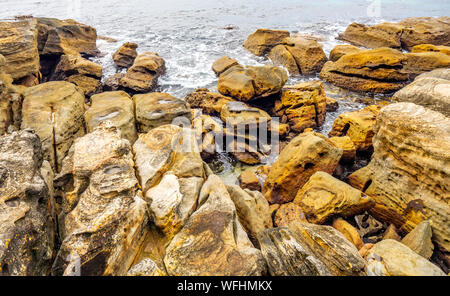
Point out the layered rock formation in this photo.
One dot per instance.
(223, 64)
(431, 91)
(251, 82)
(311, 250)
(213, 241)
(408, 176)
(124, 57)
(143, 75)
(376, 71)
(405, 34)
(27, 207)
(117, 108)
(260, 42)
(300, 159)
(104, 216)
(209, 102)
(302, 105)
(54, 110)
(299, 55)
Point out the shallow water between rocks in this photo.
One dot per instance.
(191, 34)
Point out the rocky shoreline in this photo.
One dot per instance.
(104, 176)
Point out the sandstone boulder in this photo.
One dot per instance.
(19, 46)
(155, 109)
(112, 83)
(347, 145)
(223, 64)
(391, 233)
(104, 216)
(209, 102)
(408, 175)
(303, 104)
(431, 48)
(75, 64)
(419, 240)
(300, 159)
(251, 82)
(143, 75)
(431, 91)
(288, 213)
(375, 71)
(341, 50)
(209, 134)
(281, 56)
(252, 209)
(115, 107)
(324, 196)
(54, 110)
(86, 84)
(421, 62)
(145, 267)
(124, 57)
(11, 97)
(306, 249)
(260, 42)
(357, 125)
(213, 242)
(57, 37)
(381, 35)
(238, 114)
(27, 208)
(249, 180)
(350, 232)
(391, 258)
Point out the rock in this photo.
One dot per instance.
(19, 47)
(308, 54)
(419, 240)
(112, 83)
(408, 175)
(209, 134)
(391, 258)
(115, 107)
(145, 267)
(260, 42)
(332, 105)
(213, 241)
(381, 35)
(349, 232)
(391, 233)
(431, 48)
(124, 57)
(369, 228)
(54, 110)
(155, 109)
(143, 74)
(341, 50)
(405, 34)
(358, 126)
(375, 71)
(76, 65)
(304, 105)
(240, 115)
(209, 102)
(223, 64)
(306, 249)
(425, 30)
(252, 209)
(418, 63)
(103, 220)
(431, 91)
(171, 173)
(287, 214)
(365, 250)
(57, 37)
(27, 217)
(252, 82)
(346, 144)
(324, 196)
(88, 85)
(281, 56)
(11, 97)
(300, 159)
(249, 180)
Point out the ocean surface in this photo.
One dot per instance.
(191, 34)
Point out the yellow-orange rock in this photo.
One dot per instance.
(303, 104)
(260, 42)
(346, 144)
(223, 64)
(358, 125)
(300, 159)
(408, 176)
(288, 213)
(125, 55)
(350, 232)
(341, 50)
(431, 48)
(324, 197)
(209, 102)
